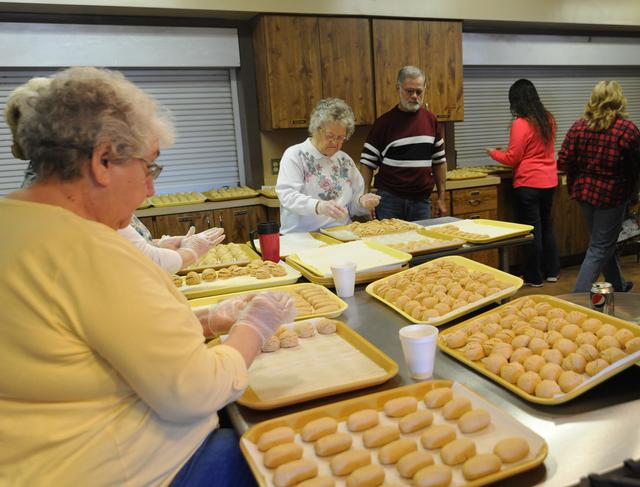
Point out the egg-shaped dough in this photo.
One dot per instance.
(520, 355)
(473, 351)
(533, 363)
(393, 294)
(569, 380)
(533, 332)
(555, 313)
(553, 356)
(528, 313)
(556, 324)
(537, 345)
(504, 349)
(552, 337)
(565, 346)
(550, 371)
(428, 314)
(596, 366)
(632, 345)
(490, 329)
(575, 317)
(409, 306)
(402, 301)
(520, 341)
(494, 362)
(539, 323)
(438, 397)
(456, 407)
(589, 352)
(606, 330)
(512, 449)
(457, 339)
(547, 389)
(528, 381)
(612, 354)
(442, 308)
(623, 335)
(591, 324)
(488, 345)
(511, 372)
(587, 338)
(574, 361)
(607, 341)
(570, 331)
(429, 302)
(507, 321)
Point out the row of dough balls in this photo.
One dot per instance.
(542, 349)
(256, 268)
(435, 289)
(380, 227)
(227, 192)
(177, 198)
(455, 231)
(288, 337)
(464, 174)
(416, 245)
(313, 300)
(284, 455)
(231, 253)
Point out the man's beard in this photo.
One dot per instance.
(410, 106)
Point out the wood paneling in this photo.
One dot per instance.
(395, 44)
(238, 222)
(472, 200)
(345, 54)
(150, 223)
(572, 234)
(179, 223)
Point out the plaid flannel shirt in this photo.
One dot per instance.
(602, 167)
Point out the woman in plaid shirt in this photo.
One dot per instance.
(601, 155)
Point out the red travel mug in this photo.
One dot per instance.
(269, 237)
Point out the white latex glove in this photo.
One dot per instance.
(369, 201)
(173, 243)
(200, 244)
(332, 210)
(265, 313)
(222, 315)
(213, 234)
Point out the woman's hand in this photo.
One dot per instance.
(265, 313)
(369, 201)
(332, 210)
(218, 318)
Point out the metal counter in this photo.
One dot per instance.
(593, 433)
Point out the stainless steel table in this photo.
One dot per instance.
(593, 433)
(626, 305)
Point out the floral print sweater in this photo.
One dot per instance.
(307, 176)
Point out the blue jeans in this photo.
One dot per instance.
(601, 257)
(533, 207)
(218, 462)
(394, 206)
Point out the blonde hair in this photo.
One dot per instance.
(82, 108)
(606, 104)
(19, 106)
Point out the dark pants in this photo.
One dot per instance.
(533, 207)
(218, 462)
(394, 206)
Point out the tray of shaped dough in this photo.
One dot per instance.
(311, 300)
(417, 242)
(145, 204)
(223, 255)
(224, 194)
(464, 173)
(268, 192)
(544, 349)
(443, 289)
(257, 274)
(177, 199)
(299, 364)
(481, 231)
(357, 230)
(490, 169)
(292, 243)
(426, 434)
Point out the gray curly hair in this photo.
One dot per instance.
(331, 110)
(82, 108)
(412, 72)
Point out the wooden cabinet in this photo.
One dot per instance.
(179, 223)
(238, 222)
(300, 60)
(434, 46)
(150, 223)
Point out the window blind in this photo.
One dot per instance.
(208, 148)
(563, 90)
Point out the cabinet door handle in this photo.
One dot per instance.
(208, 222)
(220, 222)
(474, 202)
(298, 121)
(474, 217)
(240, 212)
(474, 193)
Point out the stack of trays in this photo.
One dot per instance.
(177, 199)
(358, 230)
(544, 349)
(480, 231)
(417, 242)
(400, 436)
(224, 194)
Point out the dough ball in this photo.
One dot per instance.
(553, 356)
(438, 397)
(613, 354)
(591, 324)
(433, 476)
(520, 355)
(547, 389)
(570, 331)
(533, 363)
(537, 345)
(521, 341)
(457, 339)
(569, 380)
(193, 278)
(589, 352)
(606, 330)
(565, 346)
(325, 326)
(607, 341)
(481, 465)
(512, 449)
(586, 338)
(437, 436)
(288, 339)
(550, 371)
(272, 344)
(177, 280)
(574, 361)
(623, 335)
(596, 366)
(456, 407)
(304, 329)
(575, 317)
(553, 336)
(458, 451)
(511, 372)
(528, 381)
(494, 362)
(474, 420)
(632, 345)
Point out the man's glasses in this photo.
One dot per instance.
(411, 91)
(333, 137)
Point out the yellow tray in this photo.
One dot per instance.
(145, 204)
(192, 200)
(467, 174)
(341, 306)
(401, 257)
(360, 278)
(239, 284)
(268, 193)
(249, 252)
(445, 242)
(316, 235)
(351, 382)
(509, 426)
(516, 283)
(490, 169)
(343, 232)
(562, 398)
(248, 193)
(505, 230)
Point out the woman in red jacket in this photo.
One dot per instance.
(535, 177)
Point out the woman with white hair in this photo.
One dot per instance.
(106, 377)
(318, 184)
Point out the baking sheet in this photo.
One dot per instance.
(292, 243)
(362, 278)
(422, 239)
(227, 194)
(340, 305)
(308, 371)
(202, 264)
(493, 229)
(588, 383)
(238, 283)
(460, 174)
(345, 234)
(502, 426)
(368, 257)
(183, 199)
(515, 284)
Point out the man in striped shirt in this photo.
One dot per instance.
(405, 145)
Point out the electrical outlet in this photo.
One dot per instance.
(275, 166)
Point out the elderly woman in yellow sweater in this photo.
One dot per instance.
(106, 377)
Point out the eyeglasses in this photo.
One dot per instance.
(411, 91)
(333, 137)
(153, 169)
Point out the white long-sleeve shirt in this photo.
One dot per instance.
(169, 260)
(306, 177)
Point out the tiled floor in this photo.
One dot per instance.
(630, 268)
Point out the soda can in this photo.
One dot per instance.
(602, 297)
